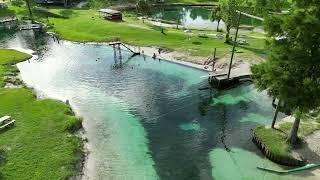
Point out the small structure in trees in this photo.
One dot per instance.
(110, 14)
(3, 4)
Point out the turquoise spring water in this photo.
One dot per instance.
(148, 120)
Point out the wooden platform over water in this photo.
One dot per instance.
(221, 81)
(7, 20)
(124, 45)
(30, 27)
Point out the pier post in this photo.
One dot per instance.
(120, 56)
(214, 59)
(115, 54)
(234, 45)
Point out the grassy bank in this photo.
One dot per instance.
(41, 145)
(275, 139)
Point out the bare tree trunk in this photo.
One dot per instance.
(293, 137)
(228, 34)
(218, 25)
(275, 115)
(65, 3)
(29, 8)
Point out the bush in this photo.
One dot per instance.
(73, 124)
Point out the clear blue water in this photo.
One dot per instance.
(148, 120)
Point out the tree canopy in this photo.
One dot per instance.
(229, 14)
(292, 72)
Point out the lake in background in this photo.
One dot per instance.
(198, 18)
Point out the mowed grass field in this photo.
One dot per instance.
(88, 26)
(41, 144)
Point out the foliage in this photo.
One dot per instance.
(216, 16)
(271, 5)
(292, 72)
(144, 6)
(66, 13)
(18, 2)
(229, 15)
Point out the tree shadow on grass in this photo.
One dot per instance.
(259, 51)
(196, 43)
(5, 12)
(2, 161)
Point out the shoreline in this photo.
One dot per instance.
(308, 150)
(172, 56)
(241, 65)
(80, 133)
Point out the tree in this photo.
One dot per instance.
(229, 15)
(28, 3)
(272, 5)
(143, 6)
(216, 16)
(292, 72)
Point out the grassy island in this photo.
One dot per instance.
(41, 144)
(275, 140)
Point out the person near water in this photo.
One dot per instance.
(159, 51)
(154, 56)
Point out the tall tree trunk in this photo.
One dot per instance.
(218, 25)
(29, 8)
(65, 3)
(293, 137)
(228, 34)
(275, 114)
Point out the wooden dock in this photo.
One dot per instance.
(30, 27)
(7, 20)
(125, 46)
(221, 81)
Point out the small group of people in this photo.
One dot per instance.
(154, 56)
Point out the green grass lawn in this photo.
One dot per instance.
(275, 139)
(86, 26)
(8, 57)
(41, 145)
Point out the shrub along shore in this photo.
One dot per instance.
(42, 144)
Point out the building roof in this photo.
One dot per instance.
(109, 11)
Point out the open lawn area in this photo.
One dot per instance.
(41, 144)
(86, 26)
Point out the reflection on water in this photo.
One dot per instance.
(197, 18)
(148, 120)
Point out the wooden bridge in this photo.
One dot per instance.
(117, 43)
